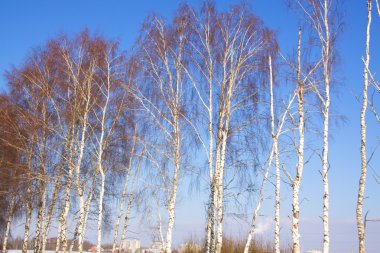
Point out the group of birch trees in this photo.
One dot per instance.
(86, 127)
(67, 129)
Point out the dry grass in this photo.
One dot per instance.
(231, 245)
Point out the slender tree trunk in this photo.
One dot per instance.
(219, 238)
(9, 222)
(100, 163)
(63, 217)
(210, 231)
(43, 182)
(129, 204)
(40, 218)
(79, 186)
(61, 233)
(173, 195)
(87, 208)
(300, 151)
(326, 66)
(210, 240)
(100, 208)
(277, 164)
(50, 213)
(273, 153)
(28, 217)
(363, 129)
(218, 196)
(224, 128)
(260, 200)
(124, 192)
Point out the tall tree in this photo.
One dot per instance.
(227, 49)
(162, 97)
(363, 134)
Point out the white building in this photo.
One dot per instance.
(155, 247)
(130, 246)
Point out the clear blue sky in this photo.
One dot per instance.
(25, 24)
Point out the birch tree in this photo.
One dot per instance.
(274, 153)
(107, 111)
(323, 18)
(162, 61)
(224, 91)
(299, 169)
(124, 191)
(11, 166)
(363, 134)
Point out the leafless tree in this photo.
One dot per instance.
(363, 135)
(224, 91)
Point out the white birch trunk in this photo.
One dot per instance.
(61, 237)
(87, 208)
(100, 160)
(275, 137)
(28, 218)
(129, 204)
(173, 195)
(260, 200)
(100, 208)
(300, 153)
(9, 222)
(40, 218)
(210, 231)
(81, 220)
(210, 239)
(28, 215)
(78, 180)
(124, 192)
(224, 128)
(326, 66)
(363, 130)
(277, 164)
(46, 229)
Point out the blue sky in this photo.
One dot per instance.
(25, 24)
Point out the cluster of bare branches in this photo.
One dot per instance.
(66, 111)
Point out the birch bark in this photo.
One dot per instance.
(326, 54)
(300, 153)
(9, 221)
(124, 192)
(363, 135)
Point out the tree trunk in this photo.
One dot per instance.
(326, 66)
(9, 222)
(130, 200)
(28, 218)
(210, 230)
(260, 200)
(210, 240)
(87, 208)
(46, 229)
(62, 237)
(224, 128)
(173, 195)
(124, 192)
(79, 186)
(100, 208)
(40, 217)
(363, 129)
(28, 215)
(277, 165)
(300, 153)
